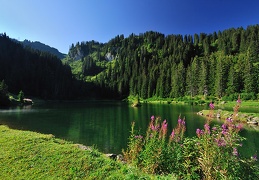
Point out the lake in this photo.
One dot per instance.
(106, 124)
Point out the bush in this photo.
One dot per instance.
(231, 97)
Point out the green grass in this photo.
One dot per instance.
(30, 155)
(243, 104)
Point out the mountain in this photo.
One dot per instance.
(43, 47)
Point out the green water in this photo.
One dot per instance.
(105, 124)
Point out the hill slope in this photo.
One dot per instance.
(43, 47)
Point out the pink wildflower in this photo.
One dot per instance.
(198, 132)
(235, 152)
(152, 127)
(207, 128)
(139, 137)
(224, 127)
(239, 127)
(221, 142)
(179, 121)
(172, 134)
(229, 120)
(164, 127)
(254, 157)
(212, 105)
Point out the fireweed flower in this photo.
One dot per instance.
(198, 132)
(224, 127)
(207, 128)
(164, 127)
(229, 120)
(152, 127)
(214, 128)
(212, 105)
(235, 152)
(254, 157)
(239, 127)
(221, 142)
(172, 135)
(179, 120)
(139, 137)
(164, 124)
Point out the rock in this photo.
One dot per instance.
(255, 119)
(27, 101)
(109, 56)
(118, 157)
(200, 113)
(218, 115)
(252, 122)
(83, 147)
(111, 156)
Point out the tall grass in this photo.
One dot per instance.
(212, 154)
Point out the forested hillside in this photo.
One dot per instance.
(154, 65)
(43, 47)
(146, 65)
(36, 73)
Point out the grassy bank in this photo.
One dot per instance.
(197, 100)
(30, 155)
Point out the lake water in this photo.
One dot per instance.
(105, 124)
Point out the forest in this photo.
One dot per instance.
(38, 74)
(148, 65)
(154, 65)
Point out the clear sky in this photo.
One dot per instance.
(59, 23)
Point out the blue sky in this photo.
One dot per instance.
(59, 23)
